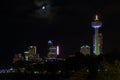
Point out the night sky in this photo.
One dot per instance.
(66, 22)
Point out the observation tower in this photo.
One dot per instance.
(96, 24)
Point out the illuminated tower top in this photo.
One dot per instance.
(50, 43)
(96, 18)
(96, 23)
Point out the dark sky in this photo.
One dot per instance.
(66, 22)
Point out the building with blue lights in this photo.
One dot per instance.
(53, 51)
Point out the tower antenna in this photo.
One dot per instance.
(96, 18)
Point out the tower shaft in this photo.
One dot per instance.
(96, 42)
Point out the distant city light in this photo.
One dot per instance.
(26, 52)
(36, 72)
(11, 69)
(57, 50)
(85, 46)
(49, 42)
(87, 70)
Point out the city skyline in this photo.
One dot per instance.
(69, 26)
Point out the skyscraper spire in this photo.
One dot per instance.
(96, 18)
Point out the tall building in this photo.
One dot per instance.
(31, 53)
(26, 55)
(97, 47)
(32, 50)
(53, 51)
(85, 50)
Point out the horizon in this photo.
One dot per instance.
(68, 25)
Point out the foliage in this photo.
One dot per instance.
(82, 74)
(109, 71)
